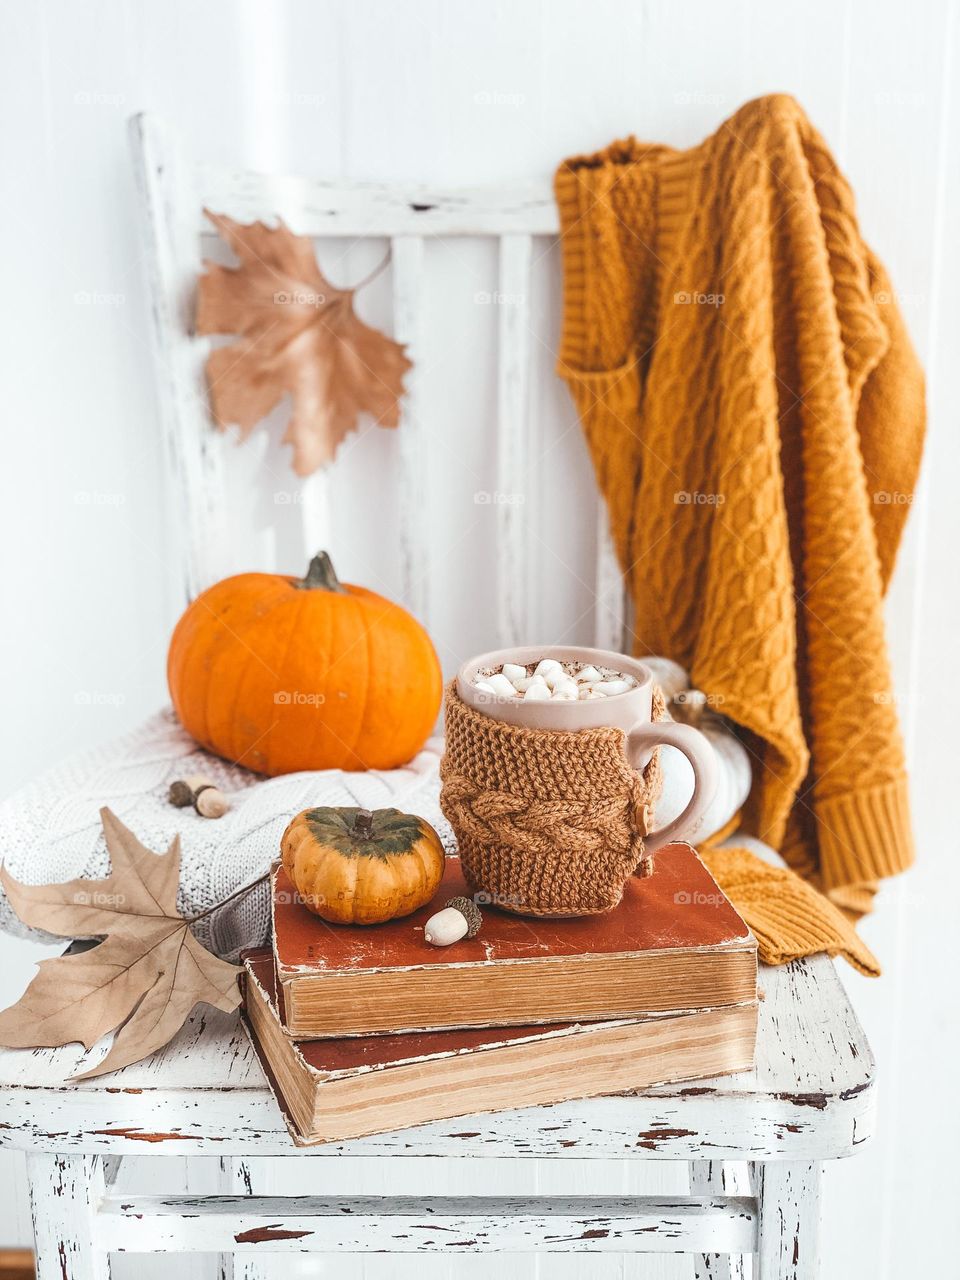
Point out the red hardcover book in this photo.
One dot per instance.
(673, 943)
(331, 1090)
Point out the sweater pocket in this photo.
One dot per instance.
(607, 400)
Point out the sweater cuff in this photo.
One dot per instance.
(788, 917)
(790, 928)
(864, 835)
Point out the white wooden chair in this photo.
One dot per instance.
(754, 1142)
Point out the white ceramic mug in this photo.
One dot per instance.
(631, 711)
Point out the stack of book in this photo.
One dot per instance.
(367, 1030)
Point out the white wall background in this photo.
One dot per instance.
(458, 93)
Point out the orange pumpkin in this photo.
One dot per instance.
(281, 674)
(357, 866)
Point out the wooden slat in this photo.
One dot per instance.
(241, 1177)
(65, 1191)
(727, 1178)
(315, 208)
(609, 612)
(415, 1224)
(513, 439)
(788, 1243)
(415, 539)
(169, 212)
(315, 520)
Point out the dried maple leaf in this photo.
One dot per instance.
(144, 977)
(299, 335)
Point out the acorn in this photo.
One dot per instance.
(208, 800)
(460, 918)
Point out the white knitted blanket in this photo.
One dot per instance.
(51, 829)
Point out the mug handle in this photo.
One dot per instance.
(703, 761)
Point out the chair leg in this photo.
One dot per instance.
(65, 1191)
(718, 1177)
(788, 1196)
(239, 1177)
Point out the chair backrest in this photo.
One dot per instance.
(528, 583)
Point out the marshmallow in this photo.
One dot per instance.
(537, 693)
(513, 672)
(501, 686)
(610, 688)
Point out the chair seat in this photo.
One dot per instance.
(810, 1096)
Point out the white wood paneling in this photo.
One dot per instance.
(415, 531)
(513, 438)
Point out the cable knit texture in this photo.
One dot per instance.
(755, 414)
(548, 823)
(52, 830)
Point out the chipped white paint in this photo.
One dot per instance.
(173, 194)
(809, 1098)
(237, 1178)
(315, 208)
(65, 1196)
(169, 203)
(719, 1177)
(788, 1195)
(414, 1224)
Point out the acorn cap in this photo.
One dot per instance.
(470, 912)
(180, 793)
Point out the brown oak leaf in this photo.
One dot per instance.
(144, 977)
(298, 335)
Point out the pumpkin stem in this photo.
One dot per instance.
(363, 824)
(321, 575)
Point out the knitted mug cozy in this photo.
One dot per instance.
(549, 822)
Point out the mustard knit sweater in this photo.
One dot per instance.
(755, 413)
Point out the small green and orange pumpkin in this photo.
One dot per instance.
(362, 866)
